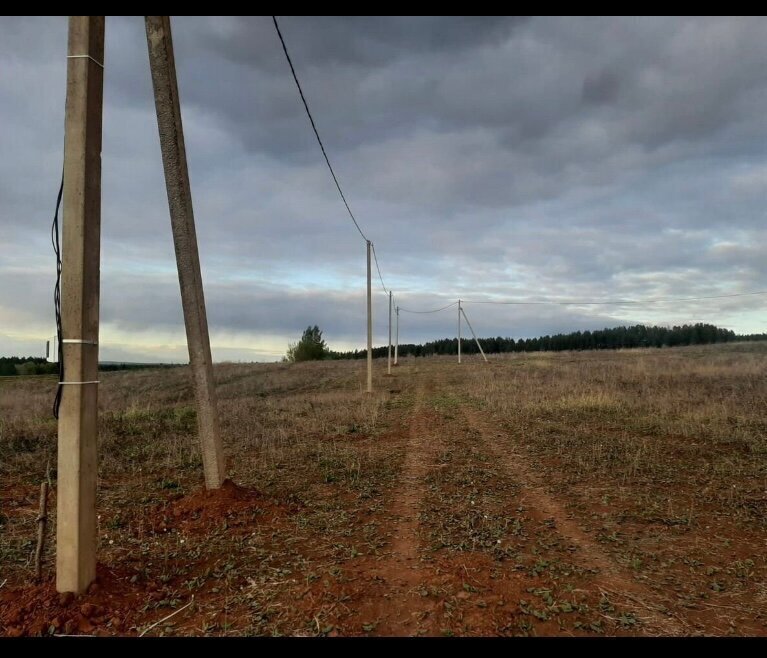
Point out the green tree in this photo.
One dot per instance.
(26, 368)
(311, 347)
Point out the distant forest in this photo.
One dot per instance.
(602, 339)
(35, 365)
(29, 365)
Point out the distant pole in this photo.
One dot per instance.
(370, 328)
(163, 66)
(81, 253)
(459, 331)
(388, 361)
(476, 340)
(396, 338)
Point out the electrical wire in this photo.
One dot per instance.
(57, 296)
(314, 127)
(623, 302)
(509, 302)
(383, 285)
(324, 152)
(436, 310)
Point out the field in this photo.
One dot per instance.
(588, 493)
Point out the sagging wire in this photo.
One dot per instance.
(57, 297)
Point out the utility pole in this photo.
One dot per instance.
(476, 340)
(388, 361)
(370, 328)
(396, 338)
(163, 66)
(78, 412)
(459, 331)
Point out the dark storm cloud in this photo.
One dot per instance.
(358, 41)
(600, 88)
(525, 158)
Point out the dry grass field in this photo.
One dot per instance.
(591, 493)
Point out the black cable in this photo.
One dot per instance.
(617, 302)
(436, 310)
(520, 303)
(311, 119)
(383, 285)
(57, 296)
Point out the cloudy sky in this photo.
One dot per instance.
(506, 159)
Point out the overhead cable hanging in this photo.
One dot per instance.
(620, 302)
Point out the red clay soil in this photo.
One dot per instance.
(112, 605)
(206, 508)
(399, 574)
(111, 602)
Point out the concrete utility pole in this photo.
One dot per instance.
(388, 362)
(396, 338)
(459, 331)
(163, 66)
(370, 328)
(81, 252)
(476, 340)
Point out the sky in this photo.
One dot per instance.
(486, 158)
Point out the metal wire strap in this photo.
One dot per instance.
(79, 341)
(85, 57)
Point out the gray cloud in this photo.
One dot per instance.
(600, 88)
(530, 158)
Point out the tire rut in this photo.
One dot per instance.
(390, 599)
(611, 577)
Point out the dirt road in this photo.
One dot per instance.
(451, 568)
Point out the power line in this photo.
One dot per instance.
(324, 152)
(383, 285)
(436, 310)
(614, 302)
(625, 302)
(317, 134)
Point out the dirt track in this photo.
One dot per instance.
(397, 586)
(418, 587)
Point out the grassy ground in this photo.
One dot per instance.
(542, 494)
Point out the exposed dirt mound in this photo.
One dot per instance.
(114, 602)
(107, 608)
(223, 500)
(232, 505)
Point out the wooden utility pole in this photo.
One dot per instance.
(370, 327)
(396, 338)
(388, 360)
(459, 331)
(163, 66)
(81, 252)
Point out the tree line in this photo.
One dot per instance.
(312, 347)
(601, 339)
(35, 365)
(29, 365)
